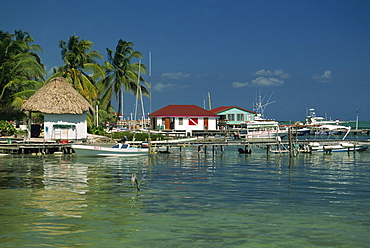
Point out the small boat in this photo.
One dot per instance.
(339, 147)
(123, 150)
(303, 131)
(342, 146)
(328, 146)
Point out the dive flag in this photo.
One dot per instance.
(193, 121)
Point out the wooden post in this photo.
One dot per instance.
(29, 125)
(149, 143)
(247, 149)
(290, 137)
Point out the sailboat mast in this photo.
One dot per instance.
(150, 81)
(137, 92)
(209, 101)
(139, 95)
(122, 102)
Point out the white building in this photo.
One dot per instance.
(65, 110)
(65, 127)
(185, 118)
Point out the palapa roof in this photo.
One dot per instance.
(57, 97)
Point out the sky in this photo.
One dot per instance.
(294, 54)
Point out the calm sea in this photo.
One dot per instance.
(187, 199)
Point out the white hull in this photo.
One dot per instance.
(174, 141)
(316, 147)
(341, 147)
(84, 150)
(263, 129)
(262, 135)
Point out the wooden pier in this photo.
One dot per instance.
(34, 147)
(291, 146)
(201, 144)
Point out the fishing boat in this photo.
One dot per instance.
(261, 129)
(124, 150)
(313, 120)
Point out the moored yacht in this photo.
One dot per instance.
(261, 129)
(314, 120)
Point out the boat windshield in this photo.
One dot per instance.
(121, 146)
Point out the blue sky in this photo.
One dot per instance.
(305, 53)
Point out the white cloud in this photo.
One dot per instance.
(326, 77)
(175, 75)
(239, 84)
(163, 87)
(279, 73)
(168, 87)
(266, 78)
(263, 81)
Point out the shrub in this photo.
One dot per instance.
(97, 130)
(7, 128)
(138, 136)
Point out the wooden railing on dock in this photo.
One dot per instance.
(36, 148)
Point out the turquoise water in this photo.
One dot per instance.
(187, 199)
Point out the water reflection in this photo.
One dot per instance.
(186, 199)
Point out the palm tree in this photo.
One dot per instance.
(122, 74)
(21, 71)
(81, 67)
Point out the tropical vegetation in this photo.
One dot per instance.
(6, 128)
(21, 72)
(81, 67)
(136, 136)
(122, 74)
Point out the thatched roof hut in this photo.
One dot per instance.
(57, 97)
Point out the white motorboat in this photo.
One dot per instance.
(327, 146)
(124, 150)
(342, 146)
(313, 120)
(339, 147)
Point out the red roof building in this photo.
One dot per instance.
(183, 118)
